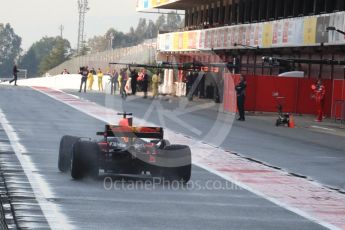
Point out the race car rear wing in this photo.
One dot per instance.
(129, 131)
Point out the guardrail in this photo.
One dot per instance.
(22, 74)
(4, 79)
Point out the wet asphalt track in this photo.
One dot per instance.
(318, 156)
(40, 122)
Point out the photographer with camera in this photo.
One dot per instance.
(84, 72)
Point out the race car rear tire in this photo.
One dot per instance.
(84, 160)
(65, 152)
(178, 160)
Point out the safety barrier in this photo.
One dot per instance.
(143, 53)
(299, 98)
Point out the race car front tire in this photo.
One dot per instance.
(84, 160)
(65, 152)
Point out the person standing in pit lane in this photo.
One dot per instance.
(155, 83)
(113, 80)
(144, 78)
(15, 75)
(241, 96)
(100, 79)
(134, 77)
(90, 80)
(122, 79)
(319, 91)
(128, 86)
(84, 72)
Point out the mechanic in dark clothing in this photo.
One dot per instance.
(241, 96)
(190, 79)
(145, 82)
(84, 71)
(15, 76)
(134, 77)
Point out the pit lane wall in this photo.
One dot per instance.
(292, 32)
(67, 81)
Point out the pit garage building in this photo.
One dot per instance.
(293, 35)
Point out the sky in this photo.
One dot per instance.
(34, 19)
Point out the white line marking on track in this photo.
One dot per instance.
(52, 212)
(319, 127)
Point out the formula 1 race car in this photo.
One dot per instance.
(125, 149)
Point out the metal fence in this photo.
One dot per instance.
(142, 53)
(22, 74)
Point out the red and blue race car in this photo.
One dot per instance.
(125, 149)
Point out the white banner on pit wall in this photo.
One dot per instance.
(229, 37)
(220, 39)
(302, 31)
(288, 32)
(248, 34)
(215, 38)
(206, 45)
(201, 43)
(168, 42)
(252, 35)
(209, 39)
(160, 42)
(298, 32)
(224, 37)
(258, 34)
(277, 33)
(197, 39)
(242, 35)
(234, 37)
(338, 21)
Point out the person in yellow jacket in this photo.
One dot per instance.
(90, 80)
(119, 81)
(155, 82)
(122, 79)
(100, 79)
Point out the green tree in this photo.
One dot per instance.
(160, 23)
(102, 43)
(140, 31)
(174, 22)
(144, 30)
(151, 30)
(9, 49)
(84, 50)
(58, 55)
(98, 44)
(132, 38)
(36, 53)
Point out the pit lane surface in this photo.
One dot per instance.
(318, 156)
(40, 122)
